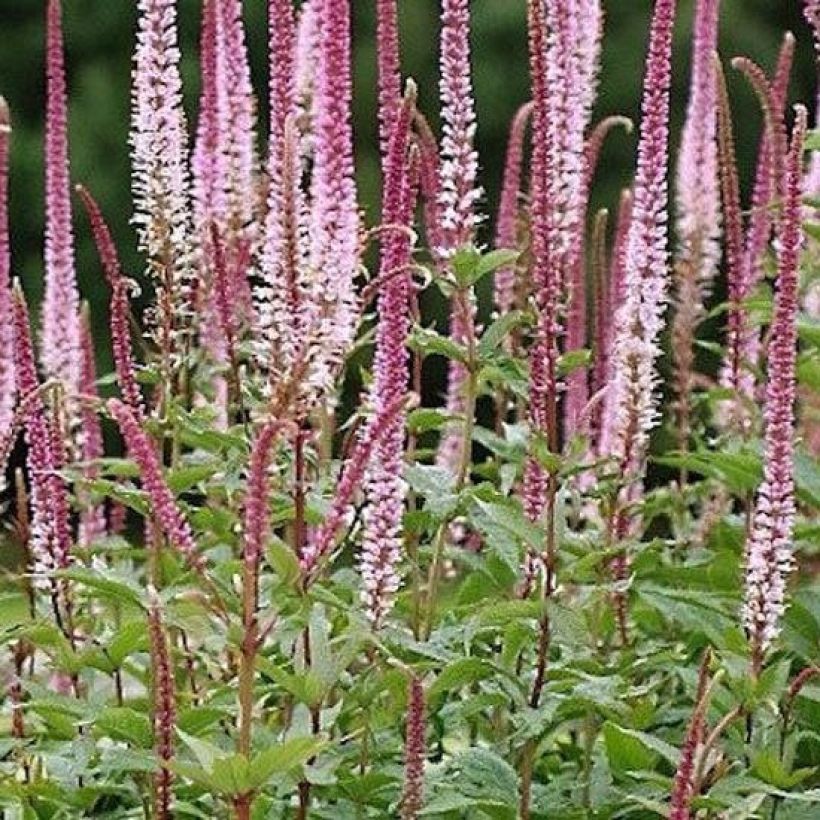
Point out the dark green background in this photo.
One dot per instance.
(99, 44)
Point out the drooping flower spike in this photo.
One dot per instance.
(385, 486)
(50, 542)
(509, 209)
(769, 550)
(353, 471)
(60, 349)
(631, 401)
(164, 508)
(119, 305)
(93, 524)
(698, 208)
(8, 389)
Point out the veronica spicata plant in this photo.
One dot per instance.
(269, 568)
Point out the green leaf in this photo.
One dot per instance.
(625, 751)
(499, 330)
(283, 758)
(184, 478)
(459, 674)
(130, 638)
(428, 342)
(124, 724)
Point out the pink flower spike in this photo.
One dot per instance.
(698, 212)
(350, 480)
(8, 389)
(769, 549)
(280, 295)
(257, 512)
(385, 487)
(93, 525)
(163, 504)
(163, 702)
(389, 69)
(209, 161)
(119, 307)
(51, 523)
(631, 402)
(60, 343)
(333, 309)
(509, 209)
(698, 192)
(160, 173)
(240, 117)
(459, 161)
(415, 751)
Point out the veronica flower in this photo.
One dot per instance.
(159, 157)
(458, 193)
(574, 61)
(119, 306)
(164, 507)
(280, 294)
(684, 782)
(509, 209)
(412, 801)
(350, 480)
(240, 121)
(163, 701)
(545, 272)
(743, 343)
(811, 11)
(60, 342)
(332, 310)
(389, 70)
(7, 379)
(50, 542)
(93, 524)
(385, 487)
(769, 548)
(631, 401)
(698, 205)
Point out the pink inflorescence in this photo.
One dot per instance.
(159, 157)
(385, 487)
(509, 209)
(50, 525)
(8, 391)
(458, 192)
(119, 307)
(698, 190)
(631, 401)
(332, 310)
(415, 749)
(769, 549)
(142, 449)
(60, 342)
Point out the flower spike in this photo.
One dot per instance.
(412, 800)
(8, 387)
(509, 212)
(385, 487)
(769, 549)
(141, 448)
(698, 209)
(60, 344)
(631, 403)
(119, 307)
(50, 525)
(160, 174)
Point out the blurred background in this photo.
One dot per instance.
(99, 35)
